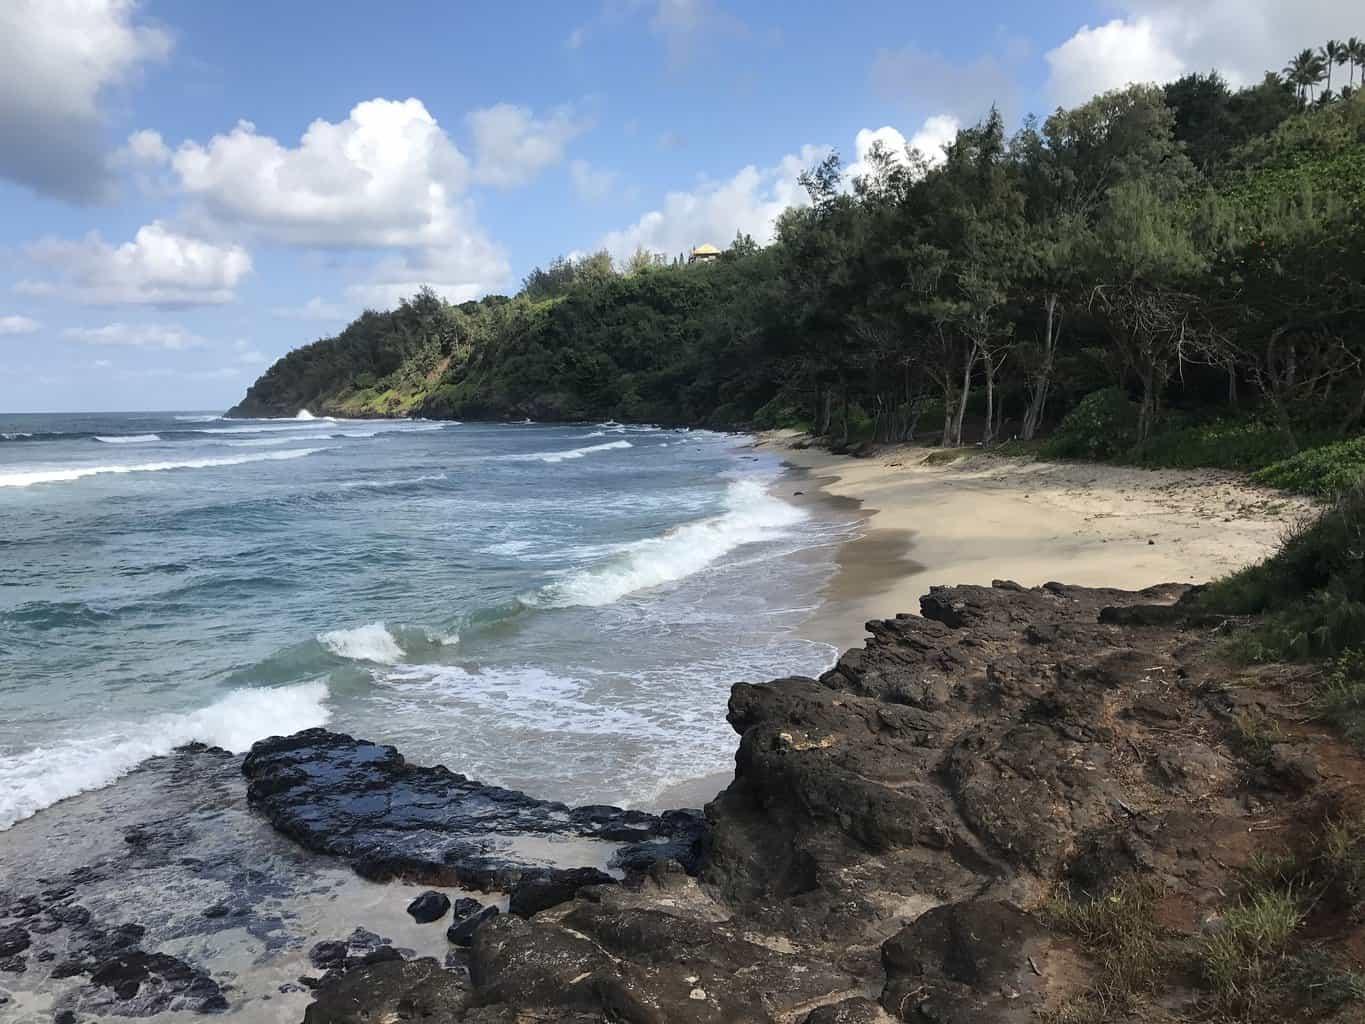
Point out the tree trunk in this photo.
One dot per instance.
(966, 394)
(1042, 384)
(988, 431)
(947, 441)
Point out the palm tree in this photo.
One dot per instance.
(1355, 54)
(1331, 53)
(1304, 72)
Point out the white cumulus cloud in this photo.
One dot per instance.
(58, 61)
(750, 202)
(386, 178)
(159, 267)
(512, 145)
(933, 135)
(1157, 40)
(1110, 56)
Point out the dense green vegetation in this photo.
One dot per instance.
(1192, 258)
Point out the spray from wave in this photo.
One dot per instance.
(364, 643)
(752, 516)
(39, 778)
(70, 473)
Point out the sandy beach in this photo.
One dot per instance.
(982, 517)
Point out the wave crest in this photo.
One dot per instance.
(568, 454)
(41, 777)
(128, 438)
(752, 515)
(70, 473)
(364, 643)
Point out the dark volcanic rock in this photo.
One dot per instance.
(394, 990)
(889, 829)
(389, 819)
(537, 894)
(428, 907)
(462, 932)
(13, 939)
(157, 982)
(967, 963)
(645, 967)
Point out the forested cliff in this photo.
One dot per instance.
(1191, 257)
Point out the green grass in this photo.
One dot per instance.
(1120, 930)
(1325, 472)
(1310, 594)
(1242, 961)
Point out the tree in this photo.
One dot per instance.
(1146, 261)
(1332, 53)
(1305, 71)
(1355, 55)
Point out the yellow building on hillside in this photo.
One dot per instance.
(703, 253)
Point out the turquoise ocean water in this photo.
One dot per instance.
(557, 608)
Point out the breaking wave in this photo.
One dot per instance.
(128, 438)
(69, 473)
(39, 778)
(752, 515)
(364, 643)
(568, 454)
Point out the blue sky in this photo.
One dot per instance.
(190, 189)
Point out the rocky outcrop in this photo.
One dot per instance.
(893, 827)
(364, 803)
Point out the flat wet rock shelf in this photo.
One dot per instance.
(363, 802)
(896, 843)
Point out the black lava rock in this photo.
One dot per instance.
(428, 907)
(461, 933)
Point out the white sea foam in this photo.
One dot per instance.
(349, 485)
(364, 643)
(272, 442)
(65, 474)
(752, 515)
(260, 428)
(304, 414)
(41, 777)
(206, 418)
(128, 438)
(567, 454)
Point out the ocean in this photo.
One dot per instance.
(560, 609)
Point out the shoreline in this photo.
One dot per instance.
(982, 517)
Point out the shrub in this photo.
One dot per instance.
(1102, 426)
(1311, 591)
(1326, 471)
(1225, 444)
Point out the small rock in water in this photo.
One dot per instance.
(466, 906)
(327, 954)
(428, 907)
(461, 933)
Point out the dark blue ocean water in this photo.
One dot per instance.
(560, 609)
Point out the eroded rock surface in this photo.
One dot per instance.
(893, 828)
(389, 819)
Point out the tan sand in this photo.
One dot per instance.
(984, 517)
